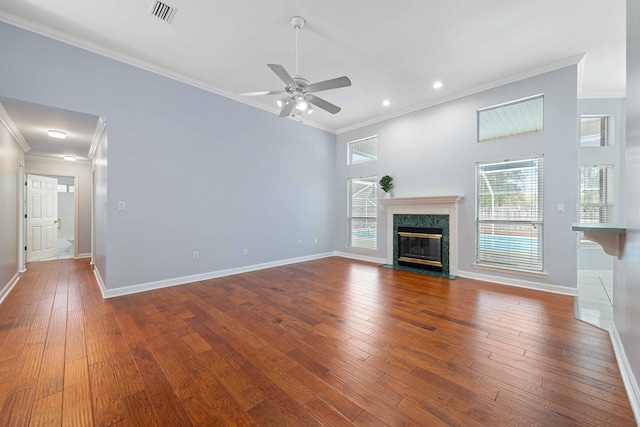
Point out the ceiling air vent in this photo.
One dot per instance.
(162, 11)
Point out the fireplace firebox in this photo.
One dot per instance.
(420, 248)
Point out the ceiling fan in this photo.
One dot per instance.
(299, 93)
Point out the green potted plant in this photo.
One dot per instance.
(386, 183)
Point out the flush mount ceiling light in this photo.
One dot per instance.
(386, 102)
(437, 85)
(57, 134)
(70, 158)
(298, 91)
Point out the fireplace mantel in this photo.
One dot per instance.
(436, 205)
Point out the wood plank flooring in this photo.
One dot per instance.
(329, 342)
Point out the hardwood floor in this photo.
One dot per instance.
(328, 342)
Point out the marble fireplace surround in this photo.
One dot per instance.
(438, 205)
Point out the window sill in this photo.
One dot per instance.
(538, 274)
(361, 250)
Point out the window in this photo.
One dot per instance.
(363, 212)
(363, 150)
(595, 190)
(510, 119)
(509, 225)
(593, 131)
(64, 188)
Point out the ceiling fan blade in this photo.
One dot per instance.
(286, 109)
(282, 73)
(264, 92)
(329, 84)
(325, 105)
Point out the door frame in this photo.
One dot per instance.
(76, 207)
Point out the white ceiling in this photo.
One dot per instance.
(389, 49)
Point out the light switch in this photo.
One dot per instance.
(560, 207)
(121, 206)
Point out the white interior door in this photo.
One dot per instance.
(42, 217)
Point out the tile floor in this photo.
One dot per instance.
(594, 304)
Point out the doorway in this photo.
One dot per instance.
(51, 222)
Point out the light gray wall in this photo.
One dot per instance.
(626, 285)
(594, 258)
(11, 156)
(433, 152)
(83, 190)
(197, 171)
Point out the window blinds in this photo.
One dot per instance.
(363, 212)
(509, 225)
(595, 204)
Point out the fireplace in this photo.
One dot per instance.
(420, 247)
(438, 212)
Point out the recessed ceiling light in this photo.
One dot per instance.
(386, 102)
(57, 134)
(437, 85)
(70, 158)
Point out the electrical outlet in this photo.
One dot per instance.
(245, 252)
(121, 206)
(195, 254)
(299, 242)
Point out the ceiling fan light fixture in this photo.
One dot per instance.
(302, 105)
(57, 134)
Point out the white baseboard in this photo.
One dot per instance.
(8, 287)
(80, 256)
(361, 257)
(101, 285)
(563, 290)
(142, 287)
(630, 383)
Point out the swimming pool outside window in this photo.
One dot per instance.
(363, 213)
(509, 214)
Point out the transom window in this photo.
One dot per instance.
(363, 212)
(509, 224)
(363, 150)
(594, 131)
(512, 118)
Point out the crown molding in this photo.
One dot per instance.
(75, 41)
(97, 136)
(573, 60)
(56, 160)
(13, 129)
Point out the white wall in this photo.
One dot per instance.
(83, 189)
(11, 156)
(100, 208)
(197, 171)
(434, 151)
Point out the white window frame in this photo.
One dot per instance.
(605, 201)
(513, 118)
(608, 121)
(365, 218)
(371, 156)
(510, 236)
